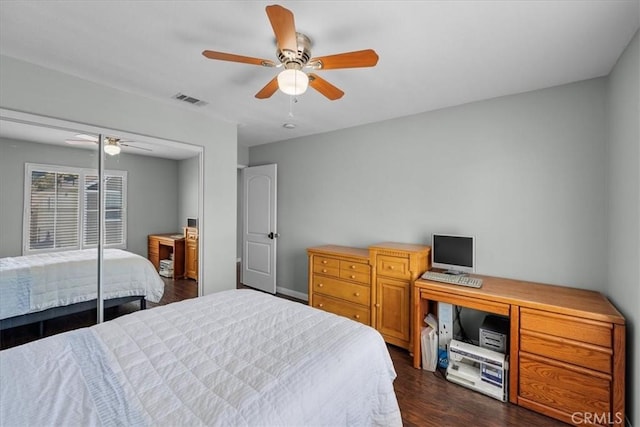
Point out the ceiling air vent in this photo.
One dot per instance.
(188, 99)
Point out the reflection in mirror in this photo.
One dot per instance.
(47, 274)
(149, 189)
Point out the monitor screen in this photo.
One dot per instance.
(454, 253)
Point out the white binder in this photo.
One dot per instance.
(429, 344)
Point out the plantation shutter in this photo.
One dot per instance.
(114, 210)
(53, 210)
(61, 208)
(91, 205)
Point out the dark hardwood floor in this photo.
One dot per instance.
(425, 398)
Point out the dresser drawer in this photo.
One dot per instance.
(364, 278)
(342, 308)
(327, 266)
(561, 388)
(344, 290)
(355, 266)
(391, 266)
(574, 352)
(322, 261)
(574, 328)
(355, 271)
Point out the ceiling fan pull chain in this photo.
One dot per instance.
(292, 100)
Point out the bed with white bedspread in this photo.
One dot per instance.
(36, 283)
(234, 358)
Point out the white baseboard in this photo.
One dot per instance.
(291, 293)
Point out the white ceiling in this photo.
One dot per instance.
(433, 54)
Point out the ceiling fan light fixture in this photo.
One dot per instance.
(111, 147)
(293, 82)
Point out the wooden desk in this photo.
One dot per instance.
(162, 245)
(567, 345)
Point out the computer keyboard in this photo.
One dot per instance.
(453, 279)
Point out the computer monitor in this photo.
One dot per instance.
(456, 254)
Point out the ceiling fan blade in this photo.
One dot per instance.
(269, 89)
(211, 54)
(324, 87)
(360, 58)
(87, 137)
(136, 147)
(283, 27)
(85, 142)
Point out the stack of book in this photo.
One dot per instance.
(166, 268)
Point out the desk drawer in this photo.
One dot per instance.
(391, 266)
(152, 249)
(563, 389)
(344, 290)
(343, 308)
(574, 328)
(574, 352)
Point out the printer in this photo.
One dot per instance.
(480, 369)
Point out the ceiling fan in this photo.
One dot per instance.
(112, 145)
(294, 54)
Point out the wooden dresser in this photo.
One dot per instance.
(567, 345)
(372, 285)
(396, 266)
(340, 281)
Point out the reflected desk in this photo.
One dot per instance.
(566, 345)
(161, 246)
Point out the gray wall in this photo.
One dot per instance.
(28, 88)
(624, 206)
(188, 190)
(243, 155)
(243, 160)
(152, 188)
(524, 174)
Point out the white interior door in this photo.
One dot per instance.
(259, 227)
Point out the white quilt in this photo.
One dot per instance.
(235, 358)
(34, 283)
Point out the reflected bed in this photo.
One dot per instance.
(43, 286)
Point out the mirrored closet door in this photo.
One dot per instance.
(85, 239)
(48, 272)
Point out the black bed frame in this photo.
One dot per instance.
(51, 313)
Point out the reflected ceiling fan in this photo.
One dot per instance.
(112, 145)
(294, 54)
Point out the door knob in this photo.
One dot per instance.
(273, 235)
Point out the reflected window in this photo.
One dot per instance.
(61, 207)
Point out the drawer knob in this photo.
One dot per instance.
(378, 305)
(357, 294)
(353, 276)
(324, 270)
(324, 261)
(391, 267)
(320, 285)
(320, 305)
(357, 316)
(353, 267)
